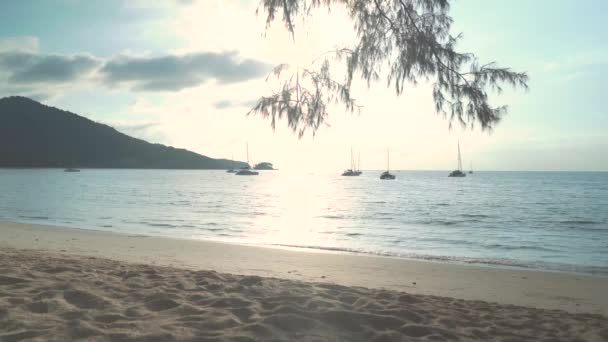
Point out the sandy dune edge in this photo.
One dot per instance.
(49, 296)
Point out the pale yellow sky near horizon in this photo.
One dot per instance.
(406, 125)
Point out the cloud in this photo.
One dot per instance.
(577, 60)
(25, 67)
(234, 104)
(176, 72)
(32, 72)
(21, 43)
(151, 131)
(137, 127)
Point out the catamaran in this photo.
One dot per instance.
(246, 171)
(386, 174)
(458, 172)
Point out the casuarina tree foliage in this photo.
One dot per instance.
(399, 41)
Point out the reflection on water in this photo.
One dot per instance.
(547, 220)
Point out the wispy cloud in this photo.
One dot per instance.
(577, 61)
(25, 67)
(176, 72)
(224, 104)
(21, 43)
(170, 73)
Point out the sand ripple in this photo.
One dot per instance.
(59, 298)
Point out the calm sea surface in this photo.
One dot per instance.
(556, 221)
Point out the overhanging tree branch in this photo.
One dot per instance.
(411, 38)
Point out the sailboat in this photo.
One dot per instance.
(386, 174)
(458, 172)
(353, 170)
(246, 171)
(471, 170)
(358, 168)
(232, 170)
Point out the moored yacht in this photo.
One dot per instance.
(353, 170)
(247, 171)
(458, 172)
(386, 175)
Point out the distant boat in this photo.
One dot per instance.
(353, 170)
(246, 171)
(70, 169)
(232, 170)
(471, 170)
(458, 172)
(386, 175)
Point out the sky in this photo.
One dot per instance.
(186, 72)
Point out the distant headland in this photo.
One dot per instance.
(36, 135)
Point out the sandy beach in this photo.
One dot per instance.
(65, 284)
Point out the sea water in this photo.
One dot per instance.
(541, 220)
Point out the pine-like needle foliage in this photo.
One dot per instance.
(401, 41)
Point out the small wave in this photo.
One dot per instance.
(165, 225)
(353, 234)
(34, 217)
(475, 215)
(179, 203)
(440, 222)
(590, 229)
(376, 218)
(578, 222)
(446, 241)
(513, 248)
(500, 262)
(322, 248)
(332, 217)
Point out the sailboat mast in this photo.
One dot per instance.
(352, 161)
(459, 159)
(387, 160)
(359, 161)
(247, 153)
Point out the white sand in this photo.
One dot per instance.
(51, 289)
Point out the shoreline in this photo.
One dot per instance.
(513, 264)
(575, 293)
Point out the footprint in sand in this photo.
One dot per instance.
(161, 304)
(84, 300)
(39, 307)
(5, 280)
